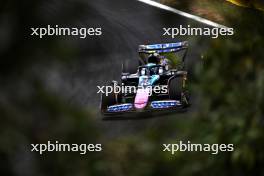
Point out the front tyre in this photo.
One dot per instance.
(176, 88)
(108, 100)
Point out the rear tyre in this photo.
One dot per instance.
(128, 66)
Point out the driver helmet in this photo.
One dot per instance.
(154, 58)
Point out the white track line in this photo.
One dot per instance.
(196, 18)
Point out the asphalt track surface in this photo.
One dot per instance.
(125, 25)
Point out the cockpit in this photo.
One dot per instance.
(151, 69)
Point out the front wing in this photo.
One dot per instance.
(154, 105)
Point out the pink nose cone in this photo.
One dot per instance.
(141, 99)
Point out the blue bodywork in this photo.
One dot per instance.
(163, 48)
(165, 104)
(120, 108)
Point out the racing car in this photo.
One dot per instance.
(157, 82)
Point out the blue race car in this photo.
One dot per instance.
(157, 82)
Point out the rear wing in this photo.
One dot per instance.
(163, 48)
(145, 50)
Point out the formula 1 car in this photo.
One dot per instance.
(157, 82)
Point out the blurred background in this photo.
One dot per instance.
(48, 89)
